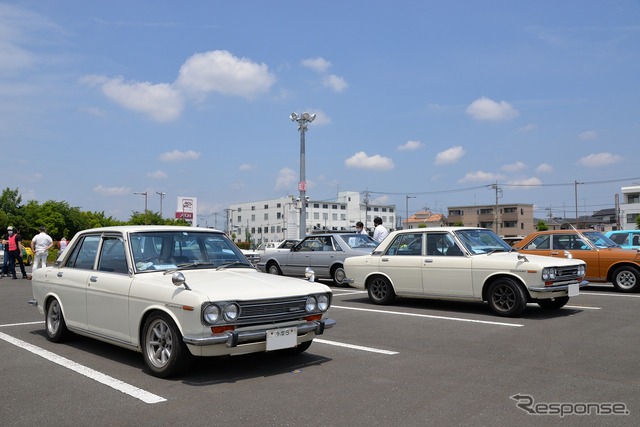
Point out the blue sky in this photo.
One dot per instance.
(433, 99)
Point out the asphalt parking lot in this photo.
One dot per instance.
(417, 362)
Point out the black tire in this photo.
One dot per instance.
(338, 275)
(55, 326)
(506, 298)
(553, 303)
(272, 268)
(380, 290)
(626, 279)
(163, 349)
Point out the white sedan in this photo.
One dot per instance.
(462, 263)
(172, 293)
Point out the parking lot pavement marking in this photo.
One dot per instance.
(340, 294)
(609, 295)
(356, 347)
(121, 386)
(21, 324)
(582, 307)
(430, 316)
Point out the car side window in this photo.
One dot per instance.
(540, 242)
(620, 238)
(406, 244)
(83, 254)
(436, 244)
(112, 257)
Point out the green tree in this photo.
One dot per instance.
(638, 222)
(541, 226)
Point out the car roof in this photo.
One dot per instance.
(418, 230)
(148, 228)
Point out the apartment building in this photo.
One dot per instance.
(278, 219)
(629, 207)
(512, 219)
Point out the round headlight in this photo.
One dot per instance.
(548, 274)
(211, 313)
(231, 312)
(323, 302)
(311, 304)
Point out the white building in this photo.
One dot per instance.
(629, 207)
(278, 219)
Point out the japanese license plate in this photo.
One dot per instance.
(573, 290)
(282, 338)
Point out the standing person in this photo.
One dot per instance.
(5, 262)
(21, 253)
(14, 251)
(40, 244)
(360, 228)
(62, 245)
(380, 232)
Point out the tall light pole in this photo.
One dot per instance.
(303, 121)
(145, 194)
(161, 194)
(406, 207)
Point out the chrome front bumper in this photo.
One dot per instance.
(233, 338)
(556, 288)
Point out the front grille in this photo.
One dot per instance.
(566, 273)
(272, 311)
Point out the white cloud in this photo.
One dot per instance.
(286, 179)
(528, 128)
(361, 160)
(480, 176)
(159, 174)
(526, 182)
(162, 102)
(220, 71)
(488, 109)
(336, 83)
(319, 65)
(514, 167)
(451, 155)
(245, 167)
(177, 156)
(600, 159)
(112, 191)
(588, 135)
(410, 146)
(544, 168)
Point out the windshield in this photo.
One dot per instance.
(599, 240)
(482, 241)
(166, 250)
(358, 241)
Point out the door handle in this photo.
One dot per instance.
(93, 279)
(428, 261)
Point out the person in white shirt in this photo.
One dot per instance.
(380, 232)
(40, 245)
(360, 228)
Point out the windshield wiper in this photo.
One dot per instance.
(233, 263)
(188, 265)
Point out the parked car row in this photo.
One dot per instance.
(173, 293)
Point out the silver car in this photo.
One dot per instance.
(323, 253)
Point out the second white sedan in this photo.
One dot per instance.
(462, 263)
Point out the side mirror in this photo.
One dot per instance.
(178, 279)
(309, 274)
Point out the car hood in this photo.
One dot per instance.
(541, 260)
(248, 283)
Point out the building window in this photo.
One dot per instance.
(343, 207)
(279, 205)
(253, 208)
(325, 206)
(510, 224)
(384, 209)
(239, 209)
(325, 216)
(632, 217)
(510, 210)
(316, 205)
(334, 216)
(239, 219)
(266, 216)
(316, 215)
(455, 212)
(390, 210)
(485, 211)
(633, 198)
(253, 217)
(334, 206)
(266, 206)
(279, 215)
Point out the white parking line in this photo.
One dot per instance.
(609, 295)
(121, 386)
(429, 316)
(582, 307)
(355, 347)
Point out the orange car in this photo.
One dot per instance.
(606, 261)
